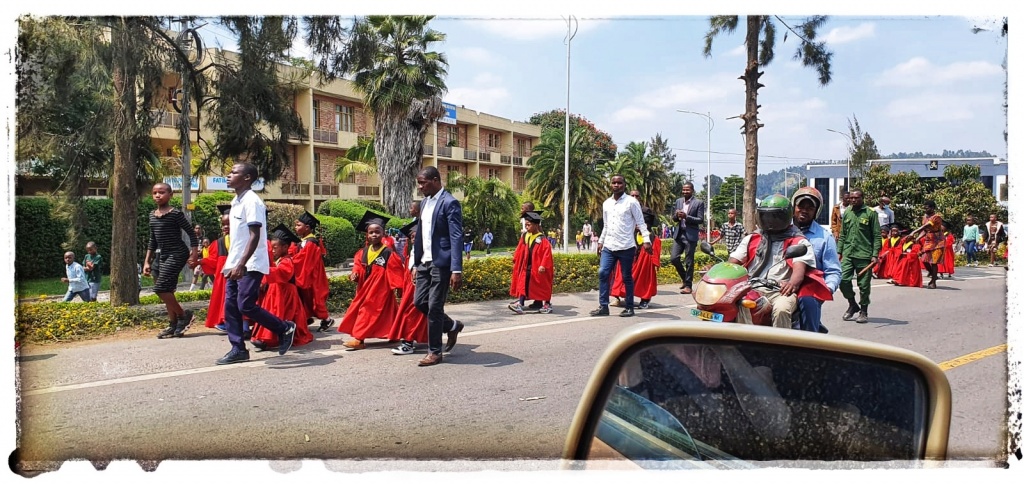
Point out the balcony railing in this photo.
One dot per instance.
(294, 188)
(469, 155)
(517, 160)
(325, 136)
(445, 151)
(428, 150)
(169, 119)
(325, 189)
(506, 159)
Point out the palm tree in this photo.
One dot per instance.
(402, 80)
(648, 173)
(760, 43)
(488, 202)
(545, 179)
(360, 159)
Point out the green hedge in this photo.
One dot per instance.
(341, 239)
(38, 240)
(346, 209)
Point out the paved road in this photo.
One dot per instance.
(156, 399)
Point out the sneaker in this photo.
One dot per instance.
(849, 314)
(516, 307)
(286, 338)
(234, 356)
(184, 323)
(643, 305)
(627, 313)
(863, 316)
(601, 311)
(535, 305)
(545, 309)
(167, 332)
(223, 328)
(326, 324)
(406, 348)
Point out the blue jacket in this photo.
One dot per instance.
(826, 257)
(446, 232)
(689, 227)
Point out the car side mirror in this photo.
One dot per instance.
(688, 394)
(794, 251)
(705, 247)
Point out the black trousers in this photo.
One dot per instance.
(683, 267)
(432, 285)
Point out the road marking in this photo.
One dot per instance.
(977, 355)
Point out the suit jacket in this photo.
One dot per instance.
(690, 226)
(836, 222)
(446, 237)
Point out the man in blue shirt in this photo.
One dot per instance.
(807, 203)
(488, 238)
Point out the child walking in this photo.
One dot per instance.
(378, 271)
(282, 296)
(310, 273)
(77, 285)
(167, 255)
(410, 324)
(533, 270)
(93, 270)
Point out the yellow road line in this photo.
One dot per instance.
(977, 355)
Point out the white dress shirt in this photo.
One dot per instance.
(248, 210)
(621, 218)
(426, 229)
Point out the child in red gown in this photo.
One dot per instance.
(310, 273)
(410, 324)
(948, 264)
(533, 270)
(282, 297)
(907, 271)
(378, 272)
(212, 265)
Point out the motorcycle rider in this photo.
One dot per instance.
(761, 250)
(807, 203)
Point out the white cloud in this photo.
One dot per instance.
(789, 110)
(533, 29)
(485, 94)
(738, 51)
(919, 71)
(688, 94)
(842, 35)
(475, 55)
(485, 78)
(632, 113)
(937, 106)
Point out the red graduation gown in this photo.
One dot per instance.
(949, 258)
(907, 271)
(311, 278)
(881, 269)
(282, 300)
(645, 272)
(212, 265)
(410, 323)
(527, 279)
(373, 310)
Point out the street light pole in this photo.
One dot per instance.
(848, 160)
(707, 204)
(570, 33)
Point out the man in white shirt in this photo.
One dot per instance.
(885, 215)
(247, 263)
(622, 215)
(588, 230)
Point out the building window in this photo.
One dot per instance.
(523, 147)
(316, 167)
(451, 172)
(369, 191)
(343, 118)
(453, 136)
(519, 183)
(316, 114)
(493, 173)
(494, 140)
(102, 192)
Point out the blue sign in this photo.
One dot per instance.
(175, 183)
(449, 114)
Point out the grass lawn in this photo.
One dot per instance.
(53, 286)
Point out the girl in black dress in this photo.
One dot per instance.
(169, 255)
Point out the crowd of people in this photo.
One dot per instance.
(270, 286)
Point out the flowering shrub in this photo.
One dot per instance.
(66, 321)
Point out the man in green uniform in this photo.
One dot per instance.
(860, 240)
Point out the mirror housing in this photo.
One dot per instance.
(794, 251)
(931, 412)
(705, 247)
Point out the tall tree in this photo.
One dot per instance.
(390, 62)
(357, 160)
(597, 141)
(661, 150)
(760, 44)
(545, 176)
(862, 150)
(489, 203)
(729, 195)
(643, 172)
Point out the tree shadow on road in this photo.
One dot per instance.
(28, 358)
(299, 360)
(883, 322)
(465, 355)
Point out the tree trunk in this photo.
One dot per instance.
(398, 143)
(123, 275)
(750, 77)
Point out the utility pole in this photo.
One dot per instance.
(689, 176)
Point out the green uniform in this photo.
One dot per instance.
(860, 239)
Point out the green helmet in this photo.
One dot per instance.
(774, 213)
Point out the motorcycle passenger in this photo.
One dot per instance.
(760, 252)
(807, 204)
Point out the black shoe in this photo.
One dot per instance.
(626, 313)
(260, 345)
(234, 356)
(326, 324)
(822, 329)
(453, 336)
(601, 311)
(286, 338)
(536, 305)
(184, 323)
(643, 305)
(863, 316)
(848, 315)
(167, 332)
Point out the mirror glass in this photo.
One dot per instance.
(794, 251)
(705, 247)
(722, 404)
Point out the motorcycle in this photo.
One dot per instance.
(726, 289)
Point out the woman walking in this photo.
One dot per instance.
(167, 256)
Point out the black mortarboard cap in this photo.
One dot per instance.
(224, 208)
(282, 233)
(372, 218)
(533, 216)
(308, 219)
(408, 228)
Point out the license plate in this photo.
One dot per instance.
(708, 315)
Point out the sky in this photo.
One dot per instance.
(913, 82)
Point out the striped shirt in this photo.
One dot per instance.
(165, 232)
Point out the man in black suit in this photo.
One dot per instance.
(689, 213)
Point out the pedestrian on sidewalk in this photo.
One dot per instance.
(971, 234)
(437, 265)
(860, 241)
(93, 270)
(167, 255)
(646, 265)
(995, 234)
(948, 265)
(213, 264)
(247, 264)
(932, 242)
(198, 276)
(622, 215)
(689, 214)
(487, 238)
(533, 269)
(282, 296)
(76, 279)
(378, 272)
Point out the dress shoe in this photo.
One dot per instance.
(627, 313)
(430, 360)
(234, 356)
(353, 344)
(601, 311)
(453, 336)
(686, 290)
